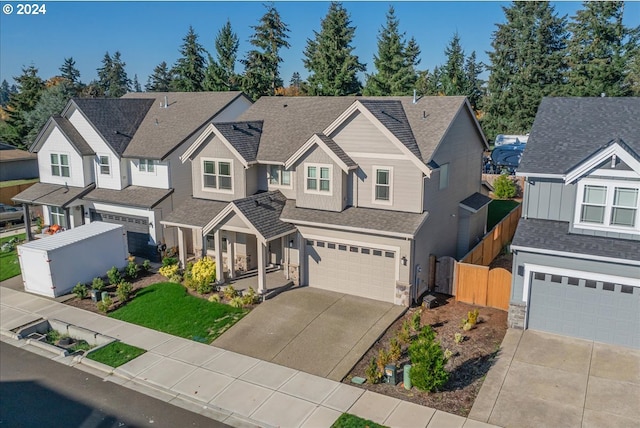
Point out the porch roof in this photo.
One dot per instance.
(263, 211)
(363, 220)
(56, 195)
(194, 213)
(131, 196)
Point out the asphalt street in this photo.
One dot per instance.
(37, 392)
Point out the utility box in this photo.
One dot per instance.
(52, 266)
(391, 374)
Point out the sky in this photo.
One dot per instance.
(148, 32)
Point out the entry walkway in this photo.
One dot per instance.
(229, 387)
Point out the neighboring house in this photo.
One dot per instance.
(349, 194)
(16, 164)
(577, 248)
(117, 160)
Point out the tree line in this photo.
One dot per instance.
(534, 53)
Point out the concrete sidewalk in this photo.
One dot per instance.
(229, 387)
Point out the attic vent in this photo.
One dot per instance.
(235, 127)
(257, 203)
(614, 160)
(285, 105)
(166, 101)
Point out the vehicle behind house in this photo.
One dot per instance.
(10, 214)
(503, 140)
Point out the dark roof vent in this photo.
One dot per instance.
(257, 203)
(285, 105)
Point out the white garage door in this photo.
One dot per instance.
(360, 271)
(580, 306)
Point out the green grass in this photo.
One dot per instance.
(347, 420)
(9, 264)
(498, 209)
(10, 183)
(115, 354)
(169, 308)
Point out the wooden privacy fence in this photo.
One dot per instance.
(6, 193)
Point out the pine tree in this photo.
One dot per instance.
(221, 75)
(527, 63)
(261, 76)
(136, 84)
(430, 83)
(52, 101)
(191, 66)
(160, 80)
(395, 61)
(70, 72)
(599, 50)
(633, 76)
(296, 80)
(474, 89)
(5, 93)
(30, 87)
(112, 77)
(329, 57)
(453, 73)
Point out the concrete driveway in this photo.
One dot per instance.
(311, 330)
(544, 380)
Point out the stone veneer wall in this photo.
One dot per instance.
(402, 296)
(517, 313)
(294, 274)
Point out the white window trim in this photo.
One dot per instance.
(610, 185)
(318, 191)
(59, 214)
(59, 164)
(146, 170)
(374, 184)
(280, 185)
(217, 175)
(100, 164)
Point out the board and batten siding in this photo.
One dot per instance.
(56, 143)
(548, 199)
(336, 200)
(214, 148)
(119, 176)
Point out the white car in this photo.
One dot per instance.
(11, 214)
(503, 140)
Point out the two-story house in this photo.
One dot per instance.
(349, 194)
(118, 160)
(577, 247)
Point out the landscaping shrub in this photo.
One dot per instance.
(123, 291)
(504, 187)
(169, 261)
(383, 359)
(416, 320)
(395, 350)
(203, 288)
(236, 302)
(249, 297)
(371, 372)
(229, 292)
(132, 269)
(203, 273)
(428, 361)
(97, 284)
(146, 266)
(104, 305)
(470, 321)
(458, 337)
(171, 272)
(80, 290)
(404, 334)
(114, 275)
(214, 298)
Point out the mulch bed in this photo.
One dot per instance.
(469, 365)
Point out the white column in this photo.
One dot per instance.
(217, 236)
(231, 253)
(302, 260)
(262, 271)
(182, 248)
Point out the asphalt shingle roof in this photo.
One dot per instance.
(73, 135)
(567, 130)
(195, 212)
(116, 119)
(134, 196)
(476, 201)
(335, 148)
(554, 236)
(243, 136)
(164, 129)
(51, 194)
(396, 222)
(263, 211)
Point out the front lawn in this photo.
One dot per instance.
(168, 307)
(115, 354)
(498, 209)
(9, 264)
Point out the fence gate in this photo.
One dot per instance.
(445, 267)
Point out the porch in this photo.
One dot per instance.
(275, 282)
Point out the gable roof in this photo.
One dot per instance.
(243, 136)
(565, 130)
(115, 119)
(73, 136)
(163, 129)
(329, 146)
(614, 149)
(57, 195)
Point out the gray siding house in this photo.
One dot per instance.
(577, 247)
(349, 194)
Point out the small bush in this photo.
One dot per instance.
(428, 361)
(404, 334)
(382, 360)
(236, 302)
(229, 292)
(395, 350)
(97, 284)
(504, 187)
(169, 270)
(114, 275)
(249, 297)
(472, 316)
(123, 291)
(416, 319)
(203, 272)
(80, 290)
(458, 337)
(371, 372)
(214, 298)
(205, 288)
(448, 354)
(146, 266)
(104, 305)
(169, 261)
(132, 270)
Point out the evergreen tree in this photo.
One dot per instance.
(52, 101)
(30, 87)
(527, 63)
(136, 85)
(430, 83)
(474, 89)
(329, 57)
(261, 76)
(160, 80)
(70, 72)
(599, 50)
(295, 81)
(633, 76)
(394, 61)
(221, 75)
(5, 93)
(191, 66)
(92, 90)
(112, 77)
(453, 73)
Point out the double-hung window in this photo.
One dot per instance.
(608, 206)
(103, 162)
(60, 165)
(147, 165)
(382, 187)
(318, 178)
(58, 217)
(216, 174)
(279, 176)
